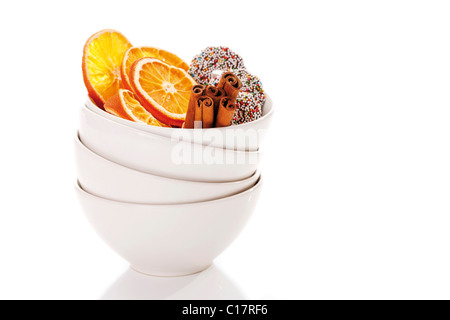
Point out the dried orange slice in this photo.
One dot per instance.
(163, 90)
(136, 53)
(124, 104)
(102, 58)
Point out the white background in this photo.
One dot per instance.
(356, 200)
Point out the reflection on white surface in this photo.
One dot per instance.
(209, 284)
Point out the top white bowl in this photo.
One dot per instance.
(162, 156)
(244, 137)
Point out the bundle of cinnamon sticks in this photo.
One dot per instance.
(211, 106)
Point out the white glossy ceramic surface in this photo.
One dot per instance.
(110, 180)
(163, 156)
(170, 240)
(249, 135)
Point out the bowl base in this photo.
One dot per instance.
(170, 274)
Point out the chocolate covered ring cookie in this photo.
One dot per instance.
(251, 98)
(212, 59)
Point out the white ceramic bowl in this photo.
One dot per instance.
(170, 240)
(110, 180)
(244, 137)
(155, 154)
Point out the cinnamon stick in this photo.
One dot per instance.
(198, 117)
(216, 94)
(231, 84)
(225, 113)
(207, 112)
(196, 92)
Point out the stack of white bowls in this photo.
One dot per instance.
(167, 200)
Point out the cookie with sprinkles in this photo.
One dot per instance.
(248, 109)
(251, 98)
(211, 59)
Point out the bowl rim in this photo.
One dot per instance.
(159, 137)
(252, 189)
(140, 126)
(86, 149)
